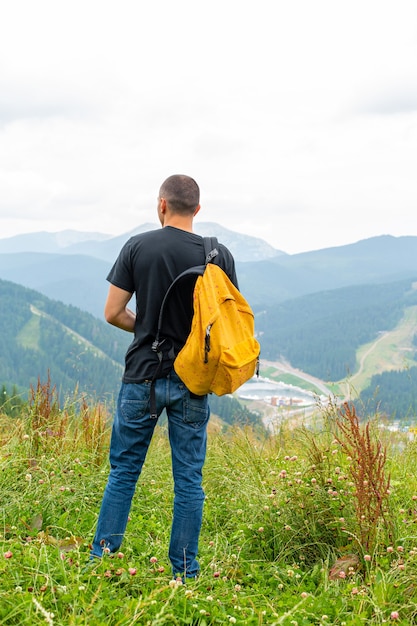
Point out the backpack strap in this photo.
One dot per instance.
(210, 252)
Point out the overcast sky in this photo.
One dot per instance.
(298, 118)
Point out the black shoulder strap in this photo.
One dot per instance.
(210, 252)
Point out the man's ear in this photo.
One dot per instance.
(163, 205)
(198, 207)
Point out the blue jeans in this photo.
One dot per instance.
(131, 435)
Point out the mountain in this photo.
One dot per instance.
(48, 242)
(73, 279)
(40, 335)
(106, 248)
(77, 274)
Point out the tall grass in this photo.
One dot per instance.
(314, 526)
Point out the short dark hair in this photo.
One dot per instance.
(181, 193)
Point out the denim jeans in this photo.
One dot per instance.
(131, 435)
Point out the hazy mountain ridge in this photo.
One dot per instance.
(107, 247)
(80, 279)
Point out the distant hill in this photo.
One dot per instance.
(80, 279)
(320, 333)
(106, 248)
(39, 335)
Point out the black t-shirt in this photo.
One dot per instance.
(146, 266)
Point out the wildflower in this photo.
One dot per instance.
(304, 594)
(232, 619)
(261, 529)
(107, 574)
(238, 587)
(120, 555)
(49, 617)
(395, 615)
(400, 549)
(8, 554)
(342, 574)
(161, 569)
(367, 557)
(390, 549)
(414, 498)
(153, 559)
(216, 574)
(28, 477)
(209, 598)
(132, 571)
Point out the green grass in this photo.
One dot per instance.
(280, 513)
(30, 334)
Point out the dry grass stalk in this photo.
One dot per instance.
(367, 469)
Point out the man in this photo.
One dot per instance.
(146, 266)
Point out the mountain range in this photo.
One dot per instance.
(314, 309)
(72, 268)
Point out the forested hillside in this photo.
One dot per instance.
(320, 333)
(40, 336)
(392, 394)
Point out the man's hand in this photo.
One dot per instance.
(116, 311)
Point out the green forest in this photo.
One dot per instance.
(319, 334)
(80, 352)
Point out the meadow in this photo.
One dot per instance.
(313, 525)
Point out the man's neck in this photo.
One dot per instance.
(178, 221)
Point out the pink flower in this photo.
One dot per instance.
(120, 555)
(342, 574)
(367, 557)
(8, 554)
(395, 615)
(216, 574)
(153, 559)
(390, 549)
(132, 571)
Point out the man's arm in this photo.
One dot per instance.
(116, 311)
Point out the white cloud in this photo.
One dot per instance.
(298, 119)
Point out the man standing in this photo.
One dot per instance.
(146, 266)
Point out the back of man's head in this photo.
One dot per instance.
(181, 193)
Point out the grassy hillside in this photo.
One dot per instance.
(79, 351)
(310, 527)
(321, 333)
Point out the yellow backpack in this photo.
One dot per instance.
(221, 352)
